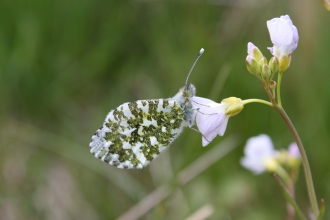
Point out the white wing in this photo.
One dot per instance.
(136, 132)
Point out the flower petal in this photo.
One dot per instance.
(258, 150)
(294, 150)
(287, 19)
(253, 164)
(223, 126)
(258, 146)
(284, 36)
(209, 121)
(280, 31)
(199, 102)
(250, 47)
(205, 142)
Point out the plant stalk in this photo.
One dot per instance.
(247, 101)
(304, 159)
(279, 80)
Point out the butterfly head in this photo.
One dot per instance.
(188, 91)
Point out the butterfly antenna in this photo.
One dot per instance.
(198, 56)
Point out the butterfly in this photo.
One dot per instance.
(136, 132)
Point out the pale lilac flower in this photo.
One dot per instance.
(211, 118)
(293, 150)
(259, 153)
(284, 36)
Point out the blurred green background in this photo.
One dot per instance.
(65, 64)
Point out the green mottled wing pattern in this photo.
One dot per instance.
(135, 133)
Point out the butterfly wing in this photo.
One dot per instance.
(135, 133)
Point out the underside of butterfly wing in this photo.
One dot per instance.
(136, 132)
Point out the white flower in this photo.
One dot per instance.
(211, 118)
(259, 154)
(284, 36)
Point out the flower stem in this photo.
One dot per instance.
(289, 187)
(304, 159)
(279, 79)
(247, 101)
(284, 176)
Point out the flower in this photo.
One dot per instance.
(212, 117)
(284, 36)
(259, 154)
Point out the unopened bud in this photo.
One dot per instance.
(265, 71)
(254, 51)
(273, 64)
(263, 61)
(271, 165)
(233, 105)
(284, 62)
(252, 65)
(287, 160)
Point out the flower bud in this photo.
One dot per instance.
(288, 161)
(233, 106)
(273, 64)
(265, 72)
(283, 157)
(294, 156)
(263, 61)
(271, 165)
(284, 63)
(254, 51)
(252, 65)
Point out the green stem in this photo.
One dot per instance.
(284, 176)
(304, 159)
(279, 79)
(291, 208)
(247, 101)
(289, 197)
